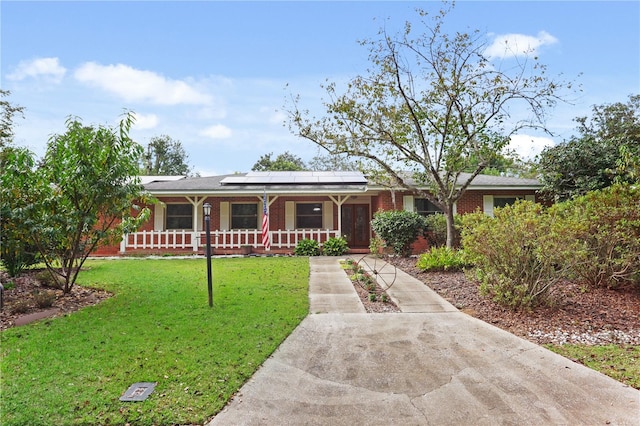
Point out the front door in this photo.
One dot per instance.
(355, 224)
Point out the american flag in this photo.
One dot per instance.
(266, 241)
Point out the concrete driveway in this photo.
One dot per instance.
(429, 365)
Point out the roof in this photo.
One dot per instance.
(491, 182)
(303, 182)
(298, 177)
(148, 179)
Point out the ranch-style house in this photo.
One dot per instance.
(304, 204)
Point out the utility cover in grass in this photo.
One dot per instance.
(138, 391)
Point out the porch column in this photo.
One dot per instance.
(339, 202)
(196, 202)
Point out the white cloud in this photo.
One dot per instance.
(217, 131)
(527, 147)
(46, 68)
(138, 85)
(145, 121)
(512, 45)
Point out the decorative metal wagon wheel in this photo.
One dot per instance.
(373, 270)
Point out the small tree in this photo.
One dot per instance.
(399, 229)
(84, 196)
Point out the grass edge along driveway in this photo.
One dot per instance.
(158, 327)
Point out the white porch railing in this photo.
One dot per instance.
(232, 239)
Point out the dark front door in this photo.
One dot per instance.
(355, 224)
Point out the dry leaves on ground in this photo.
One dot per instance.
(582, 315)
(24, 297)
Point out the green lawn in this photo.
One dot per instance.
(622, 362)
(157, 328)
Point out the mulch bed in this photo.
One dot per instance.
(21, 302)
(581, 315)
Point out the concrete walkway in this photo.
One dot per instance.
(429, 365)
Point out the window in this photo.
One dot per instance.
(504, 201)
(244, 216)
(425, 207)
(489, 202)
(309, 215)
(179, 216)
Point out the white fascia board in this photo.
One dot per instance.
(474, 188)
(252, 192)
(504, 188)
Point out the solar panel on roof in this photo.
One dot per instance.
(297, 177)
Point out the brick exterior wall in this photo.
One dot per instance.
(471, 201)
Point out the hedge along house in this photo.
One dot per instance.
(301, 205)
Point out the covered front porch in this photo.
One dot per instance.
(238, 241)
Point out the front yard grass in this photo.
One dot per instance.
(621, 362)
(157, 327)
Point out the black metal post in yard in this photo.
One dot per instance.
(207, 224)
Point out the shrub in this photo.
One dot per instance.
(335, 246)
(437, 230)
(349, 264)
(307, 247)
(606, 224)
(376, 245)
(47, 279)
(516, 254)
(399, 229)
(17, 256)
(44, 299)
(442, 259)
(20, 307)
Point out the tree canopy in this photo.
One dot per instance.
(164, 156)
(431, 105)
(7, 113)
(282, 163)
(328, 163)
(606, 149)
(17, 181)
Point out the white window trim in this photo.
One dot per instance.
(158, 216)
(225, 216)
(487, 201)
(409, 204)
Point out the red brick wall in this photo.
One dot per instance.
(471, 201)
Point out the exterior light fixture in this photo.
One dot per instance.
(206, 209)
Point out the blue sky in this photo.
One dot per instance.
(215, 75)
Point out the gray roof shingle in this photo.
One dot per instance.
(315, 182)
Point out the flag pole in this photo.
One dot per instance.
(266, 238)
